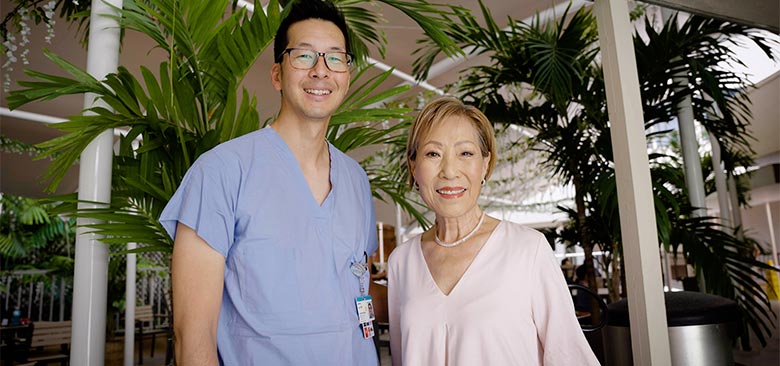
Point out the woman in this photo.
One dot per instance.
(473, 290)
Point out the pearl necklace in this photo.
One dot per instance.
(461, 241)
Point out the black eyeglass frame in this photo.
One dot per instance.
(287, 51)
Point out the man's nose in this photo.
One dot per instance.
(320, 69)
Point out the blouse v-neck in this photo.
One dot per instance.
(485, 246)
(293, 168)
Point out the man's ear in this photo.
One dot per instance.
(276, 76)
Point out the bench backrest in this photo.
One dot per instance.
(51, 333)
(144, 313)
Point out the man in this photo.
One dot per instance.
(272, 228)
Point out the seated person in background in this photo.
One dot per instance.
(582, 302)
(473, 290)
(568, 269)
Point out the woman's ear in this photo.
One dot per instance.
(485, 165)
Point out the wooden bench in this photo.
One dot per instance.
(145, 320)
(46, 336)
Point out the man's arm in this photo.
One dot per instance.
(197, 272)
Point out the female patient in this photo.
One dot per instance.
(473, 290)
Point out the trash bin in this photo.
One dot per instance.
(701, 327)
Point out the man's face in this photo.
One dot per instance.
(315, 93)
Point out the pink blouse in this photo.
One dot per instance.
(511, 307)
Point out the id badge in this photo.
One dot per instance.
(368, 329)
(365, 309)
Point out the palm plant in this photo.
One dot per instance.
(31, 232)
(191, 102)
(547, 77)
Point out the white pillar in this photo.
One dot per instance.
(130, 306)
(775, 259)
(88, 338)
(381, 246)
(720, 183)
(647, 309)
(694, 179)
(736, 211)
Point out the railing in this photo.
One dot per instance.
(39, 294)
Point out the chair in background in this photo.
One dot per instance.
(382, 322)
(146, 325)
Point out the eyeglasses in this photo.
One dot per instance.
(304, 59)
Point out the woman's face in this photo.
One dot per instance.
(449, 167)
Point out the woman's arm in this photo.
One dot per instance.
(394, 313)
(197, 273)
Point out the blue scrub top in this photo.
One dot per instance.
(289, 295)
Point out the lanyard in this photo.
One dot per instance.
(360, 269)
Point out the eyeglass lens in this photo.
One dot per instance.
(306, 59)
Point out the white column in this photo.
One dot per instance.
(720, 183)
(736, 211)
(381, 246)
(694, 179)
(775, 259)
(647, 309)
(130, 306)
(88, 338)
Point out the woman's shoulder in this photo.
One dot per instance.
(514, 231)
(405, 249)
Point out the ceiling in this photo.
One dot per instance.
(20, 175)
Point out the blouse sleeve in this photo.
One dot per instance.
(205, 202)
(394, 311)
(560, 336)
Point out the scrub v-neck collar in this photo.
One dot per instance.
(291, 166)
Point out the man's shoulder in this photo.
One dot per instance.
(345, 161)
(240, 143)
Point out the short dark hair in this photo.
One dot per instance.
(309, 9)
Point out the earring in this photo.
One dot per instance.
(483, 181)
(416, 186)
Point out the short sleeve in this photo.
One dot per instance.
(559, 333)
(205, 202)
(373, 240)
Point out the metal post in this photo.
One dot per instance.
(88, 338)
(647, 308)
(130, 306)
